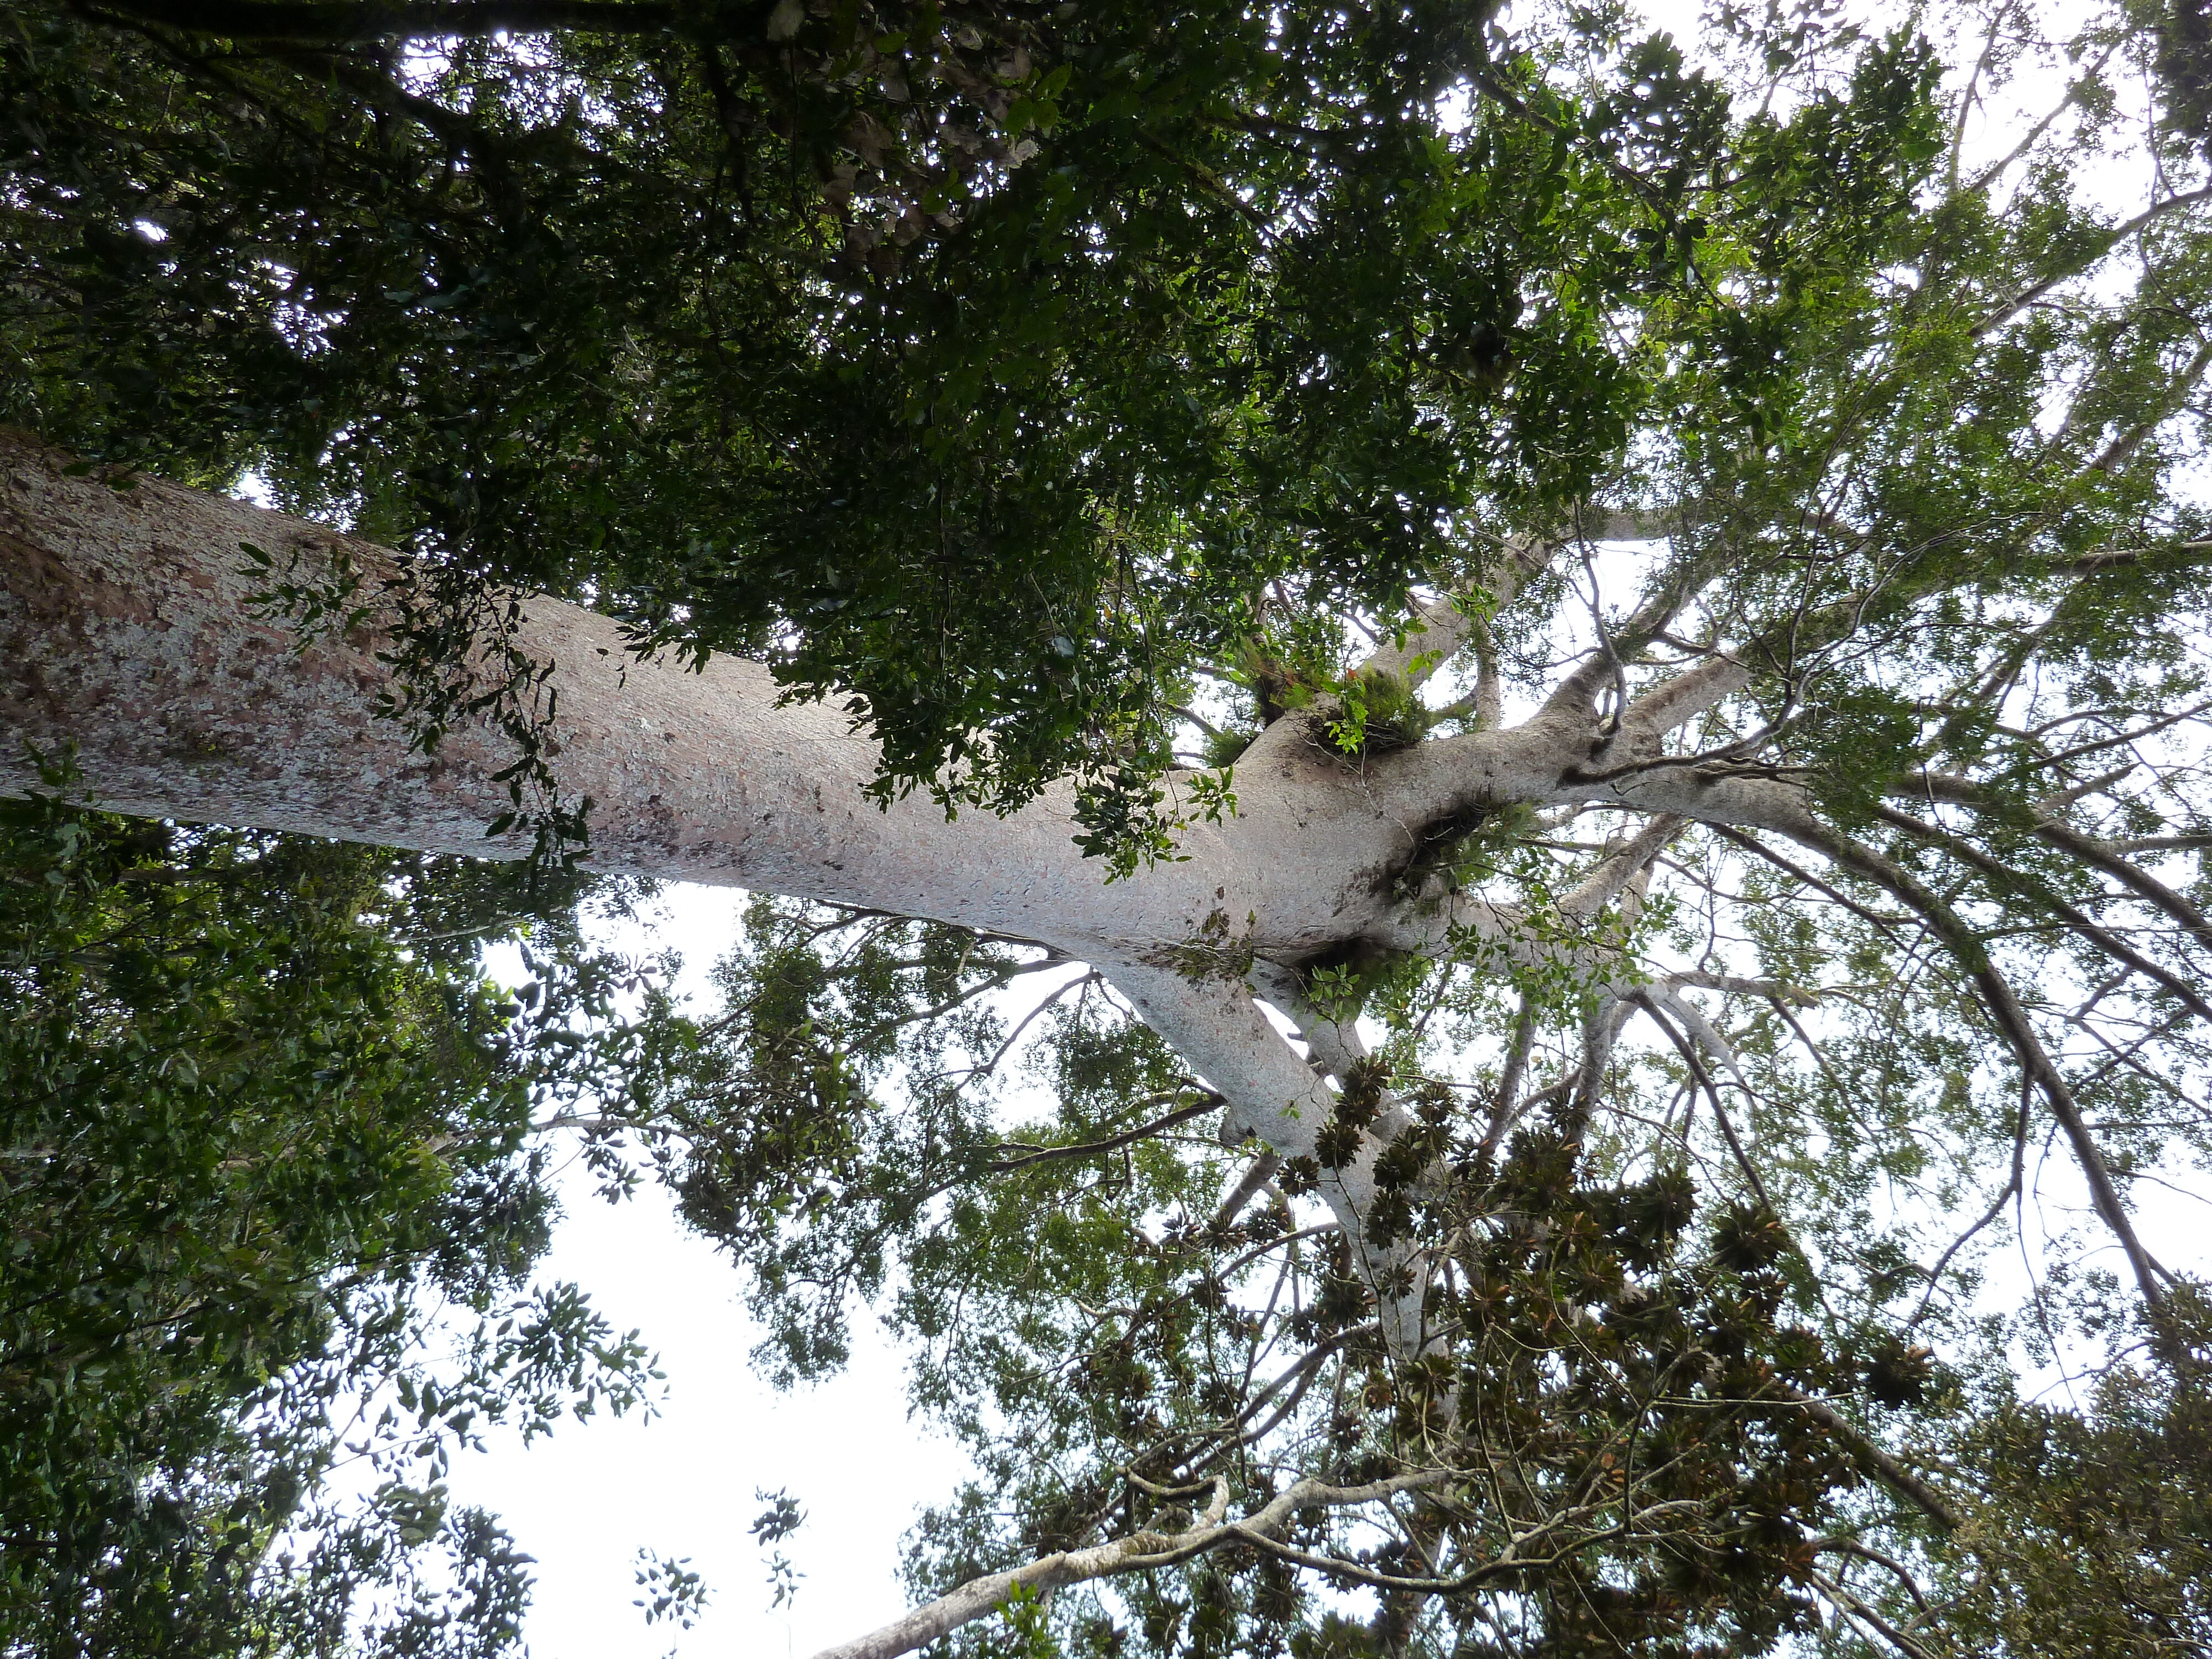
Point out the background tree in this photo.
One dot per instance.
(269, 1154)
(1750, 816)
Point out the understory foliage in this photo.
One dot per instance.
(271, 1202)
(1769, 1107)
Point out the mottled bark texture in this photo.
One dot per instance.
(130, 634)
(126, 630)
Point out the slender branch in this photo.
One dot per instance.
(2125, 444)
(1257, 1174)
(1517, 1065)
(2004, 877)
(1014, 1036)
(1890, 1472)
(2100, 854)
(1682, 1045)
(1866, 1552)
(2073, 95)
(1996, 1206)
(1789, 868)
(1858, 1609)
(2093, 852)
(1031, 1155)
(2011, 306)
(2013, 1022)
(1970, 95)
(1140, 1552)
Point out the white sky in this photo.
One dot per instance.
(585, 1500)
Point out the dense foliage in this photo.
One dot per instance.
(990, 361)
(1672, 1406)
(1078, 389)
(268, 1169)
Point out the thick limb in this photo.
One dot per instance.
(128, 634)
(1216, 1025)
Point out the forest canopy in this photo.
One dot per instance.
(1645, 598)
(990, 364)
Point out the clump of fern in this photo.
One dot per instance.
(1377, 711)
(1223, 747)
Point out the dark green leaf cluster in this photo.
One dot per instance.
(979, 364)
(1094, 1330)
(1605, 1362)
(2098, 1542)
(772, 1124)
(263, 1114)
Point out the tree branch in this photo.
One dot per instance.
(1891, 1473)
(1112, 1143)
(2012, 1020)
(1140, 1552)
(2005, 877)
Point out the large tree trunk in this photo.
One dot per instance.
(129, 635)
(127, 631)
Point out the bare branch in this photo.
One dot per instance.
(1258, 1173)
(1031, 1155)
(2013, 1022)
(1856, 1608)
(1651, 1004)
(1140, 1552)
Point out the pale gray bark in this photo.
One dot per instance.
(1138, 1552)
(126, 630)
(129, 633)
